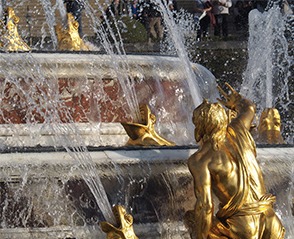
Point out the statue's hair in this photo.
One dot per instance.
(212, 121)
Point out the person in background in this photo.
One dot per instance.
(114, 9)
(155, 22)
(221, 13)
(172, 4)
(135, 9)
(241, 11)
(75, 7)
(172, 7)
(203, 17)
(260, 5)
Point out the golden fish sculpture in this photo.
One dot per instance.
(269, 128)
(123, 229)
(143, 133)
(10, 39)
(69, 38)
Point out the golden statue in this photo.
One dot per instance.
(10, 39)
(226, 165)
(269, 128)
(123, 229)
(69, 38)
(143, 133)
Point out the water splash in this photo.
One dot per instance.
(50, 19)
(178, 42)
(42, 103)
(62, 10)
(266, 78)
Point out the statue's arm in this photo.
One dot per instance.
(245, 108)
(204, 205)
(245, 111)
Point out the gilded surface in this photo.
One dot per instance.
(10, 39)
(225, 165)
(69, 38)
(123, 229)
(269, 128)
(143, 133)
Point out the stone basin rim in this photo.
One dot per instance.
(80, 65)
(47, 149)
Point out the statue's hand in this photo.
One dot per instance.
(231, 99)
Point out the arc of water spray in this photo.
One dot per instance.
(182, 53)
(50, 19)
(62, 11)
(79, 153)
(265, 31)
(120, 65)
(2, 7)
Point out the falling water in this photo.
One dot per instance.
(69, 135)
(178, 42)
(50, 20)
(266, 78)
(62, 10)
(42, 100)
(2, 7)
(116, 52)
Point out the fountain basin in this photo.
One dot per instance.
(155, 185)
(89, 89)
(84, 87)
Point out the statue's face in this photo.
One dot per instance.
(270, 120)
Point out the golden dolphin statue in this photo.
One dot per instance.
(123, 229)
(10, 39)
(143, 133)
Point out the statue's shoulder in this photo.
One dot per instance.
(202, 156)
(193, 159)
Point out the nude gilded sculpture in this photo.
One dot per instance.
(225, 165)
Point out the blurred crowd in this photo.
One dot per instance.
(211, 17)
(216, 14)
(145, 11)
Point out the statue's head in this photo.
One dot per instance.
(211, 121)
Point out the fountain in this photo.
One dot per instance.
(64, 162)
(266, 81)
